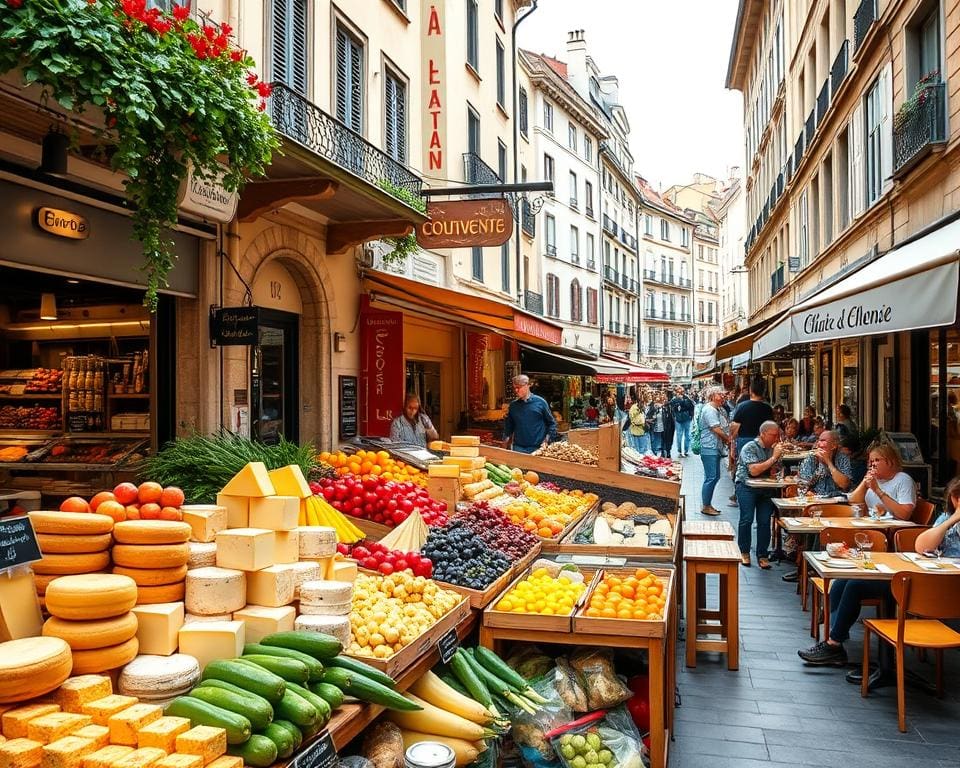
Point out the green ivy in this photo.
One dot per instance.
(174, 93)
(403, 247)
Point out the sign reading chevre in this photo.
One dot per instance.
(207, 198)
(466, 224)
(62, 223)
(234, 326)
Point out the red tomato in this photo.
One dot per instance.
(386, 568)
(370, 563)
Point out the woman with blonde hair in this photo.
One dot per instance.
(886, 485)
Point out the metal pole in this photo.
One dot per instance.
(516, 141)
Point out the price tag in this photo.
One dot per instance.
(448, 644)
(319, 754)
(18, 542)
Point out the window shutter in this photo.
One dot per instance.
(395, 117)
(349, 81)
(298, 47)
(356, 87)
(886, 126)
(278, 58)
(342, 75)
(857, 171)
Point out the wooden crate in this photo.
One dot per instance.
(663, 554)
(552, 544)
(482, 598)
(534, 621)
(591, 625)
(371, 530)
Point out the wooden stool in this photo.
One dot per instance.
(721, 557)
(695, 530)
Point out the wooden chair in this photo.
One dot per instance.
(933, 596)
(790, 492)
(922, 512)
(845, 536)
(826, 510)
(905, 539)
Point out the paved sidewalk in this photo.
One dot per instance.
(775, 711)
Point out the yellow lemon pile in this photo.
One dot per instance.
(543, 594)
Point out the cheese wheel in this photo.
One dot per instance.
(159, 676)
(151, 532)
(165, 593)
(99, 633)
(32, 666)
(102, 659)
(43, 581)
(323, 592)
(58, 543)
(337, 626)
(70, 523)
(68, 564)
(151, 555)
(202, 554)
(90, 596)
(153, 577)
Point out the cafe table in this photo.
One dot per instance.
(795, 457)
(770, 483)
(799, 503)
(815, 525)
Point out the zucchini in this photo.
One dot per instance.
(365, 689)
(371, 673)
(255, 708)
(454, 683)
(329, 693)
(281, 738)
(493, 663)
(250, 677)
(291, 670)
(315, 667)
(259, 751)
(294, 732)
(319, 703)
(297, 710)
(315, 644)
(201, 713)
(463, 671)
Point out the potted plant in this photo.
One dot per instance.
(921, 92)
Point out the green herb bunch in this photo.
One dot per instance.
(403, 247)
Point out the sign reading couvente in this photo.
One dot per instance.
(207, 198)
(466, 224)
(62, 223)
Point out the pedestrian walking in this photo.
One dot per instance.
(714, 442)
(682, 408)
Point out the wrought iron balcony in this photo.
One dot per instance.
(649, 274)
(920, 123)
(551, 250)
(838, 72)
(810, 126)
(823, 101)
(685, 282)
(863, 19)
(609, 273)
(625, 281)
(589, 211)
(592, 265)
(627, 330)
(798, 149)
(574, 203)
(609, 225)
(533, 302)
(776, 280)
(303, 122)
(613, 327)
(528, 220)
(780, 184)
(475, 171)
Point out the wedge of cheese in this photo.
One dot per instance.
(158, 626)
(205, 520)
(251, 481)
(289, 481)
(261, 621)
(207, 641)
(275, 513)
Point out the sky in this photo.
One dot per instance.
(670, 57)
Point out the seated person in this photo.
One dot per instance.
(828, 471)
(850, 445)
(885, 485)
(810, 440)
(791, 431)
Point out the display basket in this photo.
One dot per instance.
(568, 546)
(534, 621)
(599, 625)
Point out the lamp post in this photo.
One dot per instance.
(516, 141)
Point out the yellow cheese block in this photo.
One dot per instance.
(443, 470)
(159, 625)
(151, 555)
(209, 743)
(251, 481)
(153, 577)
(151, 532)
(125, 724)
(68, 564)
(205, 520)
(103, 709)
(77, 691)
(91, 596)
(207, 641)
(465, 463)
(102, 659)
(289, 481)
(140, 758)
(465, 440)
(272, 586)
(56, 725)
(286, 547)
(98, 633)
(105, 756)
(226, 761)
(275, 513)
(58, 543)
(180, 761)
(70, 523)
(98, 734)
(464, 451)
(67, 752)
(260, 621)
(166, 593)
(238, 510)
(15, 720)
(31, 667)
(162, 733)
(245, 549)
(344, 570)
(20, 753)
(19, 609)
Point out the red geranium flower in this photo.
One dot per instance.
(181, 12)
(252, 78)
(14, 3)
(236, 55)
(264, 89)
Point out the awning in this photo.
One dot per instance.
(742, 341)
(631, 372)
(487, 313)
(740, 361)
(538, 360)
(908, 288)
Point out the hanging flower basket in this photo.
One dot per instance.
(175, 92)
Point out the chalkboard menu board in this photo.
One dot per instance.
(18, 542)
(320, 754)
(234, 326)
(348, 407)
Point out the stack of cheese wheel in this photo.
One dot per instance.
(324, 607)
(31, 667)
(159, 679)
(91, 613)
(71, 543)
(154, 554)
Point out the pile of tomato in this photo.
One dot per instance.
(380, 500)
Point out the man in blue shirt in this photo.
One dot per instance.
(756, 460)
(529, 424)
(828, 471)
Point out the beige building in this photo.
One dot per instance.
(851, 152)
(706, 290)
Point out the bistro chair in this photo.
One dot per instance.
(845, 536)
(933, 597)
(922, 512)
(826, 510)
(905, 539)
(790, 491)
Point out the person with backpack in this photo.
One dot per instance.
(637, 434)
(682, 408)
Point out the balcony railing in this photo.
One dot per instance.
(613, 327)
(609, 225)
(920, 125)
(838, 72)
(798, 149)
(305, 123)
(810, 126)
(475, 171)
(776, 280)
(574, 203)
(685, 282)
(589, 211)
(533, 302)
(669, 315)
(863, 19)
(609, 273)
(592, 265)
(649, 274)
(625, 282)
(528, 221)
(627, 330)
(780, 185)
(551, 250)
(823, 101)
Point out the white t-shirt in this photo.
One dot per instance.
(901, 488)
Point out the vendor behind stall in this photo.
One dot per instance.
(413, 425)
(529, 424)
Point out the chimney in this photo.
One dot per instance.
(577, 61)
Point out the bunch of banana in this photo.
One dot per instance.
(314, 510)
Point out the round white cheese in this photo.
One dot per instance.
(156, 677)
(337, 626)
(325, 609)
(202, 554)
(190, 618)
(324, 592)
(215, 591)
(317, 541)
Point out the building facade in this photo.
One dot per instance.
(734, 295)
(706, 290)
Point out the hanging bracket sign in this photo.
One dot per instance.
(234, 326)
(466, 224)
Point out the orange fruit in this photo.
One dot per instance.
(113, 509)
(624, 613)
(149, 493)
(101, 497)
(74, 504)
(171, 497)
(545, 532)
(608, 613)
(602, 588)
(592, 612)
(640, 614)
(150, 511)
(627, 591)
(126, 493)
(171, 513)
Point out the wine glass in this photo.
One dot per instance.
(874, 512)
(815, 514)
(864, 545)
(857, 510)
(938, 551)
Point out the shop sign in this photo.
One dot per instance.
(433, 87)
(234, 326)
(320, 754)
(348, 407)
(466, 224)
(18, 542)
(207, 198)
(537, 328)
(448, 644)
(381, 371)
(62, 223)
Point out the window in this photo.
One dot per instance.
(548, 116)
(700, 279)
(572, 136)
(551, 230)
(498, 9)
(505, 267)
(501, 76)
(473, 132)
(477, 266)
(700, 252)
(588, 197)
(395, 117)
(349, 80)
(588, 149)
(548, 169)
(401, 4)
(576, 302)
(700, 311)
(874, 160)
(665, 230)
(803, 242)
(592, 306)
(648, 224)
(574, 245)
(684, 237)
(473, 34)
(553, 296)
(502, 160)
(288, 59)
(573, 190)
(710, 312)
(523, 111)
(591, 252)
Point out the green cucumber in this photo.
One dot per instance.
(293, 731)
(259, 751)
(454, 683)
(371, 673)
(463, 671)
(491, 681)
(315, 667)
(315, 644)
(201, 713)
(318, 702)
(281, 738)
(493, 663)
(297, 710)
(329, 693)
(291, 670)
(255, 708)
(250, 677)
(365, 689)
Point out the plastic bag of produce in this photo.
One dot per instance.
(490, 757)
(529, 730)
(530, 662)
(604, 689)
(599, 740)
(570, 686)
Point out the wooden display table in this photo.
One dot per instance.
(694, 530)
(721, 557)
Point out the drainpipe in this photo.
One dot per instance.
(516, 143)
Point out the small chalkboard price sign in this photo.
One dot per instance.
(319, 754)
(18, 542)
(447, 645)
(234, 326)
